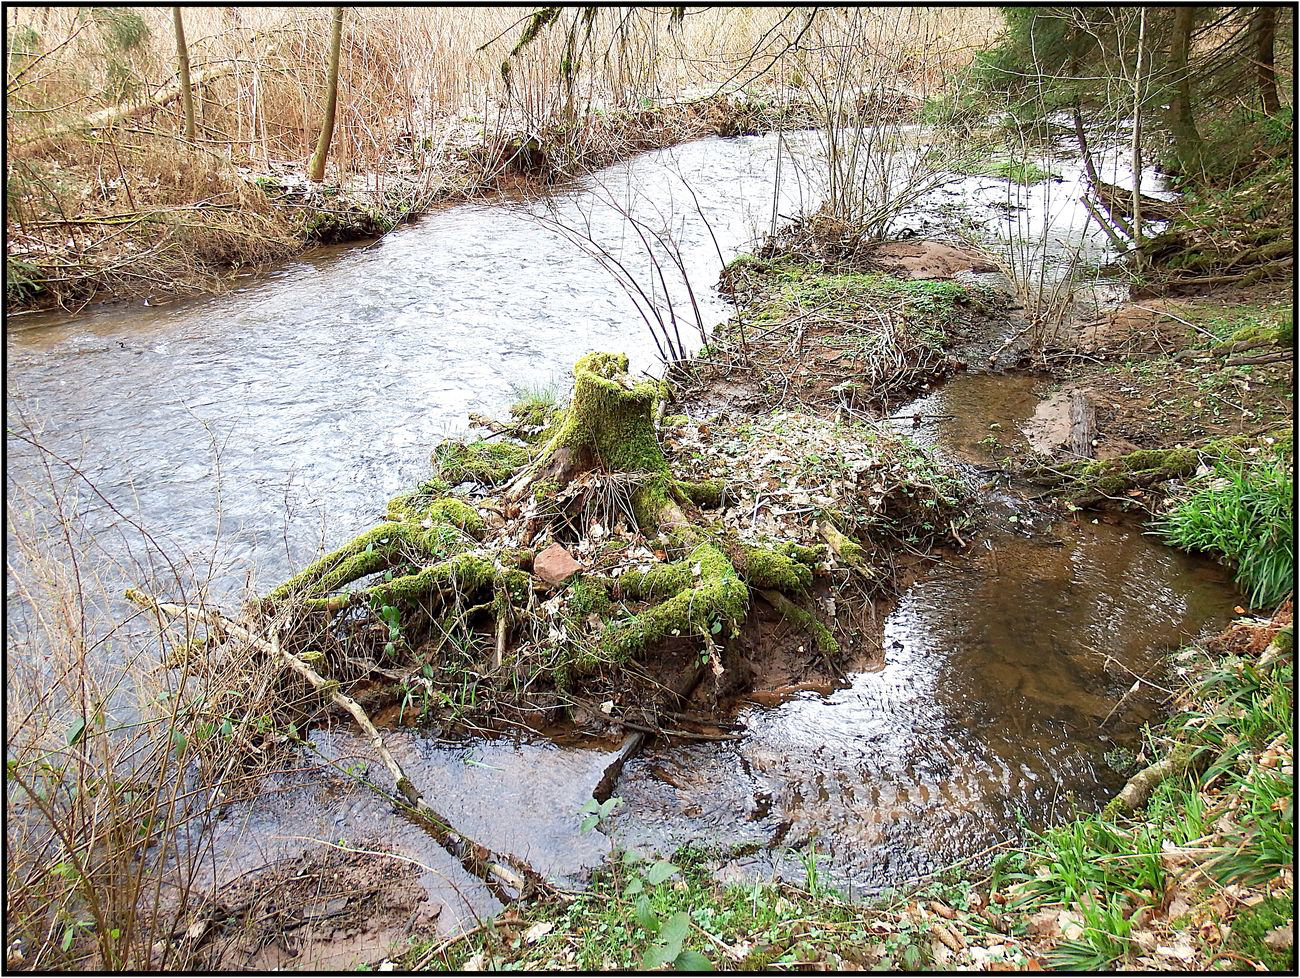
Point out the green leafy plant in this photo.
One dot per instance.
(1242, 512)
(594, 812)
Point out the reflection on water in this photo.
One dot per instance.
(996, 703)
(517, 798)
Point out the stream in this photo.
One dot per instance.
(248, 430)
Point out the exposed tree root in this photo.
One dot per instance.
(823, 640)
(459, 594)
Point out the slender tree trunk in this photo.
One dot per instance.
(183, 70)
(1182, 123)
(1138, 95)
(1263, 28)
(317, 169)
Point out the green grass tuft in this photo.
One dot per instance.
(1241, 512)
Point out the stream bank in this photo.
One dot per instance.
(991, 684)
(250, 218)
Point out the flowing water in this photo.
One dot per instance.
(266, 421)
(256, 426)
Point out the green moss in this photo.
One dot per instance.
(1116, 476)
(1017, 171)
(784, 289)
(517, 583)
(412, 505)
(851, 550)
(546, 489)
(660, 581)
(1250, 930)
(464, 573)
(588, 595)
(1279, 333)
(534, 413)
(707, 492)
(805, 555)
(611, 416)
(434, 530)
(805, 620)
(611, 421)
(370, 552)
(767, 568)
(489, 463)
(458, 514)
(520, 557)
(719, 597)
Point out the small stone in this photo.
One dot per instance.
(555, 565)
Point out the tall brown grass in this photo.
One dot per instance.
(421, 91)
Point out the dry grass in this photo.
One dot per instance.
(130, 209)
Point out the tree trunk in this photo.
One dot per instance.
(1095, 181)
(317, 168)
(610, 425)
(183, 71)
(1263, 28)
(1182, 122)
(1138, 96)
(115, 114)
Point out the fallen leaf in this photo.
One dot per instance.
(1071, 926)
(1043, 924)
(538, 931)
(1279, 938)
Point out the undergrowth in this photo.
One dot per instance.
(1199, 876)
(1227, 820)
(1242, 512)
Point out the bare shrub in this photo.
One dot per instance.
(125, 739)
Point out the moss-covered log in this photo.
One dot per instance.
(1093, 481)
(823, 641)
(1086, 483)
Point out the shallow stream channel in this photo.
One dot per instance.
(249, 430)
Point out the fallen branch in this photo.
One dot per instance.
(633, 742)
(1135, 794)
(1275, 357)
(115, 114)
(494, 869)
(685, 734)
(846, 550)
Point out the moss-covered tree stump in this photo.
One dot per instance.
(436, 551)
